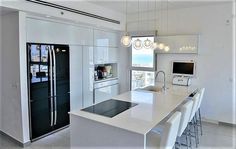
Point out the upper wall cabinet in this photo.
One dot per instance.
(179, 44)
(103, 55)
(107, 39)
(41, 31)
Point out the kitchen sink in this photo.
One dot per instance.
(152, 88)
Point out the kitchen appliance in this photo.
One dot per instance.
(183, 68)
(110, 108)
(181, 80)
(103, 71)
(48, 88)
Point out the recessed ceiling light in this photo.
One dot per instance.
(48, 16)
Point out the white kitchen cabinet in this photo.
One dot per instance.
(88, 76)
(111, 55)
(187, 44)
(41, 31)
(105, 38)
(104, 55)
(106, 92)
(75, 77)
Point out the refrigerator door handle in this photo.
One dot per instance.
(51, 85)
(55, 86)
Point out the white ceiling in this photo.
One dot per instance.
(149, 5)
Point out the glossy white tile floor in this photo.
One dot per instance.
(215, 136)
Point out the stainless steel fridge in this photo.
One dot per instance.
(48, 88)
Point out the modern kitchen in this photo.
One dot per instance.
(123, 74)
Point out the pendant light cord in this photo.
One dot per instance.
(138, 17)
(167, 11)
(155, 18)
(126, 24)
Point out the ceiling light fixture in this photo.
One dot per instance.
(147, 43)
(138, 43)
(155, 43)
(126, 38)
(167, 48)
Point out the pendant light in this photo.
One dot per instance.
(126, 38)
(155, 43)
(167, 48)
(138, 43)
(161, 45)
(147, 43)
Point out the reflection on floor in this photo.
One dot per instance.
(215, 136)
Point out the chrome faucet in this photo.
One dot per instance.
(164, 85)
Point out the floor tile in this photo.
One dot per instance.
(214, 137)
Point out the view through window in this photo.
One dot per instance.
(143, 66)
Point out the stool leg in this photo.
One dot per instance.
(200, 119)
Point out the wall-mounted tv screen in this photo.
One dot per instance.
(183, 68)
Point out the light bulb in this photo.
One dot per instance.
(161, 46)
(154, 45)
(147, 43)
(167, 48)
(126, 40)
(137, 44)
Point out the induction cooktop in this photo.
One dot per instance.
(110, 108)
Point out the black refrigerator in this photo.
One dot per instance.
(48, 88)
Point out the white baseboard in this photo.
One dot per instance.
(16, 141)
(210, 121)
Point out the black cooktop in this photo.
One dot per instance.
(110, 108)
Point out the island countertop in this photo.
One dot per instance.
(152, 108)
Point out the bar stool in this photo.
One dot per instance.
(192, 119)
(185, 111)
(167, 138)
(199, 120)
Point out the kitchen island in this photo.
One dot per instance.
(129, 128)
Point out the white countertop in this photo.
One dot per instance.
(152, 108)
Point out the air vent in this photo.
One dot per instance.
(73, 11)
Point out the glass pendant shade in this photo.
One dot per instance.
(161, 46)
(126, 40)
(167, 48)
(137, 44)
(147, 43)
(154, 45)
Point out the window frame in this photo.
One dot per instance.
(150, 69)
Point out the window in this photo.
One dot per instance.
(143, 64)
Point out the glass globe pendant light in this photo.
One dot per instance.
(137, 44)
(167, 48)
(147, 43)
(126, 39)
(161, 46)
(155, 43)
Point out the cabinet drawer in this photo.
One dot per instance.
(105, 83)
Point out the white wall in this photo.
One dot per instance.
(0, 72)
(214, 59)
